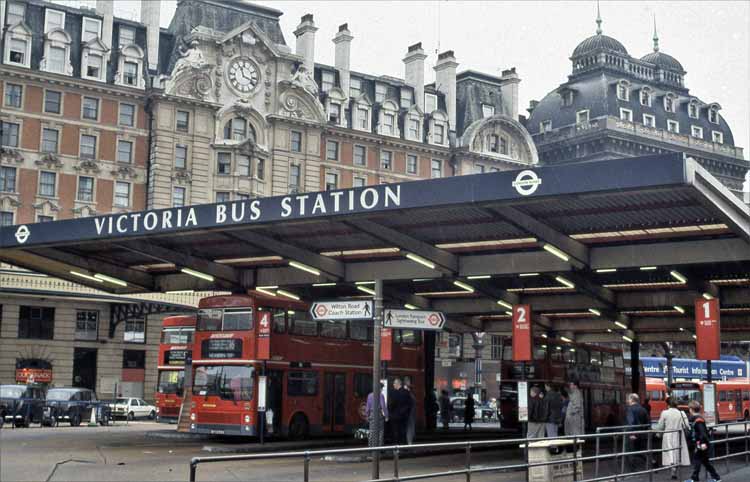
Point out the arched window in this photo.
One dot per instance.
(235, 129)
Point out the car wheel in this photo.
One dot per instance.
(2, 420)
(104, 421)
(299, 428)
(131, 416)
(152, 415)
(75, 419)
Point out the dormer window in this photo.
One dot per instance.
(56, 60)
(413, 129)
(439, 135)
(334, 113)
(717, 137)
(713, 115)
(673, 126)
(380, 91)
(413, 124)
(18, 51)
(363, 118)
(127, 36)
(545, 126)
(130, 67)
(327, 79)
(626, 115)
(130, 74)
(646, 97)
(388, 121)
(623, 91)
(57, 52)
(430, 103)
(94, 66)
(582, 117)
(53, 19)
(669, 102)
(16, 13)
(92, 28)
(407, 98)
(696, 131)
(693, 110)
(568, 96)
(355, 88)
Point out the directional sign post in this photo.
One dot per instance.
(414, 319)
(342, 310)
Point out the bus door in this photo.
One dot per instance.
(274, 401)
(737, 402)
(334, 402)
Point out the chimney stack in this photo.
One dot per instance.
(106, 8)
(509, 92)
(414, 72)
(343, 42)
(150, 13)
(305, 34)
(445, 80)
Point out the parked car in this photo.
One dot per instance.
(482, 411)
(74, 405)
(132, 408)
(21, 405)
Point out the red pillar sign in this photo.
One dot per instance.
(264, 336)
(522, 339)
(707, 329)
(386, 344)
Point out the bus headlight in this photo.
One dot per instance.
(192, 416)
(247, 418)
(157, 409)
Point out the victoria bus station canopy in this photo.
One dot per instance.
(600, 250)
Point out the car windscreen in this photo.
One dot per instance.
(59, 395)
(230, 382)
(10, 391)
(121, 401)
(171, 381)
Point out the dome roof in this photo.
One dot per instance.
(599, 42)
(663, 60)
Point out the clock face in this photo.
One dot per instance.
(243, 75)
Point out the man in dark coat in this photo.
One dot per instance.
(537, 414)
(554, 404)
(446, 409)
(469, 410)
(401, 404)
(637, 419)
(701, 445)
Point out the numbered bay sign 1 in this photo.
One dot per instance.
(522, 339)
(264, 335)
(707, 329)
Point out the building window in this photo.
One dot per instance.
(7, 179)
(6, 218)
(649, 120)
(130, 73)
(439, 135)
(125, 151)
(494, 141)
(9, 134)
(127, 115)
(436, 168)
(94, 66)
(717, 137)
(236, 129)
(178, 197)
(56, 60)
(414, 129)
(183, 121)
(693, 110)
(355, 88)
(91, 28)
(16, 13)
(222, 196)
(224, 163)
(49, 140)
(134, 359)
(260, 169)
(388, 120)
(488, 110)
(17, 51)
(332, 150)
(294, 177)
(332, 181)
(430, 103)
(334, 112)
(406, 98)
(496, 347)
(88, 147)
(36, 322)
(568, 97)
(623, 92)
(411, 164)
(135, 332)
(713, 115)
(645, 97)
(85, 189)
(90, 108)
(327, 79)
(44, 219)
(52, 102)
(87, 325)
(668, 103)
(243, 165)
(53, 20)
(380, 91)
(696, 131)
(122, 194)
(359, 181)
(13, 95)
(503, 146)
(180, 156)
(363, 118)
(386, 158)
(360, 155)
(127, 36)
(47, 183)
(582, 117)
(673, 126)
(296, 138)
(626, 115)
(545, 126)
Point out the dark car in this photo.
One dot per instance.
(75, 405)
(21, 405)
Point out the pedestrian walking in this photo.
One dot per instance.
(574, 415)
(554, 404)
(537, 414)
(469, 410)
(383, 413)
(411, 426)
(399, 411)
(446, 409)
(636, 417)
(674, 445)
(701, 444)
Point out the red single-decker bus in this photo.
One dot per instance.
(175, 347)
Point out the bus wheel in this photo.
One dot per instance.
(299, 428)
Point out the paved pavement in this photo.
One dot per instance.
(126, 453)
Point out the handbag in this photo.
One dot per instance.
(687, 431)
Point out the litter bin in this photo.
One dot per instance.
(550, 451)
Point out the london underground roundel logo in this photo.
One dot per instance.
(22, 233)
(527, 182)
(321, 311)
(433, 319)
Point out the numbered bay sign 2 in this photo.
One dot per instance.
(522, 337)
(707, 329)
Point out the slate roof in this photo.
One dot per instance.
(599, 42)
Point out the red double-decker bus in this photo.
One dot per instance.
(318, 373)
(599, 371)
(175, 347)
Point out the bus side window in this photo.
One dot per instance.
(279, 321)
(745, 395)
(362, 385)
(360, 330)
(722, 396)
(596, 357)
(409, 337)
(301, 326)
(582, 356)
(302, 384)
(540, 352)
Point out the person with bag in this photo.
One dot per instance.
(674, 443)
(383, 412)
(701, 445)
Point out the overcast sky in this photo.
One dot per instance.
(709, 38)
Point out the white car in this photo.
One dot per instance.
(132, 408)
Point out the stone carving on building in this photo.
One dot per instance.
(303, 79)
(49, 161)
(46, 207)
(8, 202)
(87, 166)
(83, 211)
(9, 155)
(297, 103)
(191, 76)
(500, 136)
(124, 172)
(182, 176)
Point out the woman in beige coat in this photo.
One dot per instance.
(674, 446)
